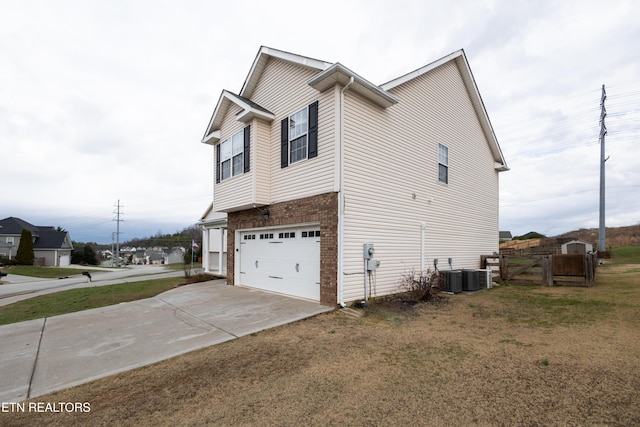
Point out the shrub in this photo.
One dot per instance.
(421, 284)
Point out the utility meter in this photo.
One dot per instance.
(368, 250)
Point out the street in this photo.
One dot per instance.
(16, 288)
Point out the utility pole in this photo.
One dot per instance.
(603, 132)
(113, 242)
(117, 220)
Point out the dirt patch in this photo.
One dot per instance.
(512, 355)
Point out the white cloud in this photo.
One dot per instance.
(101, 101)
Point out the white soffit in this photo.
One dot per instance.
(340, 74)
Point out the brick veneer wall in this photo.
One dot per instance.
(321, 209)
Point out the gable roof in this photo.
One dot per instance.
(45, 237)
(338, 73)
(263, 56)
(249, 110)
(14, 226)
(504, 235)
(330, 74)
(460, 59)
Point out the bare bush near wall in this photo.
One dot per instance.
(421, 284)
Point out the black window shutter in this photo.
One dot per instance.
(313, 130)
(284, 143)
(247, 149)
(218, 164)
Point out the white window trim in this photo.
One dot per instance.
(229, 158)
(446, 165)
(304, 134)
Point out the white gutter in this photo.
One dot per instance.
(341, 201)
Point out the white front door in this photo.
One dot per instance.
(285, 260)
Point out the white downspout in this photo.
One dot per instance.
(423, 226)
(221, 256)
(341, 201)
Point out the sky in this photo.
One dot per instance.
(106, 102)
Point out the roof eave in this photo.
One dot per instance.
(248, 113)
(339, 74)
(264, 53)
(465, 70)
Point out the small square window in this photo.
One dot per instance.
(318, 233)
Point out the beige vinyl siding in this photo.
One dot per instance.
(392, 187)
(260, 161)
(283, 90)
(238, 190)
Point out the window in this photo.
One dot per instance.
(233, 155)
(10, 240)
(299, 136)
(298, 128)
(443, 164)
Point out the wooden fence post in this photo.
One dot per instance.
(547, 270)
(504, 267)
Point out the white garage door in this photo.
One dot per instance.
(65, 261)
(286, 261)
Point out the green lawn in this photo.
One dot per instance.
(626, 254)
(44, 272)
(85, 298)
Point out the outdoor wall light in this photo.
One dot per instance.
(265, 214)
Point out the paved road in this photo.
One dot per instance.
(16, 288)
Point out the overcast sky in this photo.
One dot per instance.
(103, 101)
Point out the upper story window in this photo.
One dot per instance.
(298, 129)
(443, 164)
(10, 240)
(233, 155)
(299, 136)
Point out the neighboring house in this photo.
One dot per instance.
(50, 246)
(156, 256)
(505, 236)
(175, 255)
(313, 161)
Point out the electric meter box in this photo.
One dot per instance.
(368, 250)
(372, 264)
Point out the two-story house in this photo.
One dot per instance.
(51, 246)
(314, 161)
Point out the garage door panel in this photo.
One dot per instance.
(282, 261)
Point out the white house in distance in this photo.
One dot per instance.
(313, 162)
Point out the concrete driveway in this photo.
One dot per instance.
(45, 355)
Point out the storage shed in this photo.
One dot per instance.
(577, 247)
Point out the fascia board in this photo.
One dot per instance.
(420, 71)
(264, 53)
(212, 138)
(247, 114)
(465, 70)
(338, 73)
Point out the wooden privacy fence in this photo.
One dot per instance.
(549, 270)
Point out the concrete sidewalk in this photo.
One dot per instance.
(45, 355)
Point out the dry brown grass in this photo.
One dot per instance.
(513, 355)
